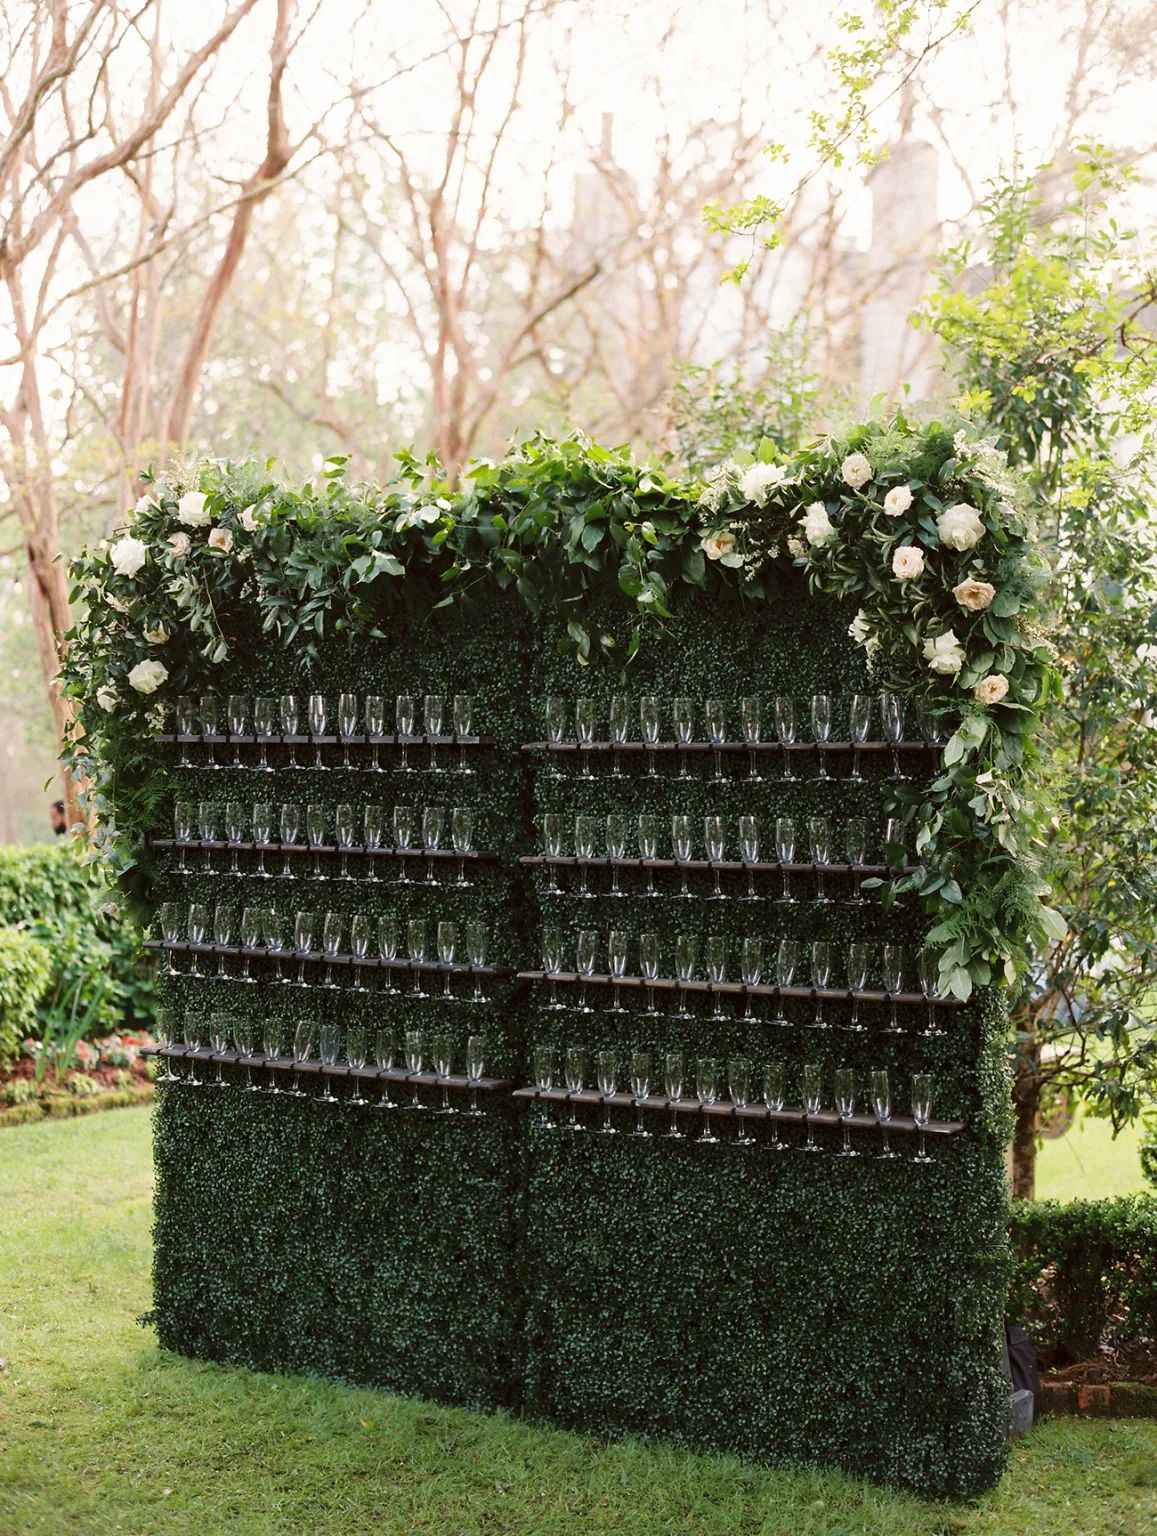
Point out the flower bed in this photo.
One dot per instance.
(107, 1074)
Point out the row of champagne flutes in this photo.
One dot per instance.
(354, 829)
(770, 1091)
(793, 960)
(824, 709)
(264, 932)
(356, 1046)
(591, 833)
(272, 718)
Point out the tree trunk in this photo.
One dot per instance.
(1026, 1093)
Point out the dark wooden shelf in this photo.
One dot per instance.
(315, 1068)
(362, 740)
(738, 989)
(359, 850)
(319, 957)
(725, 866)
(700, 747)
(722, 1109)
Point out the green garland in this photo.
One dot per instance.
(921, 525)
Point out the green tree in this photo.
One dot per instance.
(1055, 346)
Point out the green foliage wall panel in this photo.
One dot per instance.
(778, 1305)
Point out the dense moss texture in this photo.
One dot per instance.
(783, 1306)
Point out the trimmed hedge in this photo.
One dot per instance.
(25, 972)
(1085, 1274)
(95, 953)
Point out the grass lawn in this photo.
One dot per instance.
(1087, 1164)
(101, 1433)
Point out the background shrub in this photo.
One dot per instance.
(25, 974)
(1085, 1274)
(97, 974)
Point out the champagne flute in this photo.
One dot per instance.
(271, 1031)
(173, 917)
(197, 1035)
(356, 1052)
(607, 1075)
(921, 1111)
(347, 726)
(389, 942)
(649, 849)
(209, 828)
(618, 725)
(821, 958)
(822, 730)
(463, 717)
(820, 841)
(247, 1032)
(329, 1049)
(673, 1087)
(586, 949)
(359, 948)
(543, 1068)
(785, 731)
(707, 1092)
(812, 1099)
(262, 835)
(222, 936)
(385, 1057)
(786, 966)
(750, 969)
(716, 971)
(303, 928)
(289, 825)
(785, 853)
(317, 723)
(433, 824)
(461, 840)
(414, 1055)
(859, 725)
(375, 710)
(186, 727)
(304, 1046)
(184, 823)
(432, 718)
(585, 719)
(749, 853)
(210, 726)
(315, 835)
(681, 846)
(617, 941)
(856, 848)
(373, 830)
(616, 849)
(405, 713)
(584, 849)
(264, 728)
(649, 969)
(714, 843)
(683, 711)
(649, 725)
(859, 955)
(893, 969)
(574, 1072)
(287, 709)
(552, 957)
(750, 723)
(928, 968)
(250, 941)
(686, 954)
(477, 944)
(273, 937)
(405, 825)
(555, 729)
(845, 1087)
(447, 941)
(552, 849)
(715, 714)
(416, 949)
(882, 1108)
(442, 1055)
(234, 832)
(894, 851)
(220, 1034)
(892, 718)
(739, 1089)
(237, 714)
(640, 1087)
(774, 1083)
(475, 1063)
(332, 928)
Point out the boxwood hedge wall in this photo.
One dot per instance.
(784, 1307)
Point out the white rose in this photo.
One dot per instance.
(221, 539)
(859, 628)
(907, 562)
(143, 504)
(944, 654)
(897, 501)
(147, 676)
(991, 689)
(795, 547)
(248, 520)
(974, 595)
(157, 636)
(107, 699)
(128, 555)
(179, 543)
(960, 526)
(716, 545)
(855, 471)
(191, 510)
(817, 525)
(758, 480)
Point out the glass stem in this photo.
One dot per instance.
(820, 895)
(638, 1117)
(606, 1115)
(718, 764)
(922, 1151)
(847, 1137)
(474, 1101)
(718, 888)
(786, 887)
(887, 1142)
(855, 775)
(750, 883)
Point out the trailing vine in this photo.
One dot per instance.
(923, 527)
